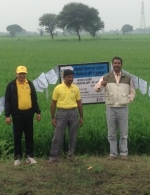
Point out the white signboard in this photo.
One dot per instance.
(85, 77)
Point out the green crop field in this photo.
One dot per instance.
(40, 54)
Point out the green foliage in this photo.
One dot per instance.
(127, 28)
(41, 31)
(94, 27)
(97, 168)
(50, 23)
(78, 17)
(41, 55)
(73, 16)
(94, 23)
(13, 29)
(5, 149)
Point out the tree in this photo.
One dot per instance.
(127, 28)
(94, 23)
(73, 17)
(77, 17)
(13, 29)
(50, 23)
(23, 31)
(41, 31)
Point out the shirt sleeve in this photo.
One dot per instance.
(98, 87)
(78, 94)
(55, 94)
(131, 91)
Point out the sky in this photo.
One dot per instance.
(114, 13)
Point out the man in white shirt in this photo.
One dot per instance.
(119, 92)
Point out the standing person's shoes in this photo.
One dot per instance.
(112, 158)
(17, 162)
(71, 157)
(30, 160)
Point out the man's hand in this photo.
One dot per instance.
(8, 120)
(103, 83)
(38, 117)
(81, 122)
(54, 122)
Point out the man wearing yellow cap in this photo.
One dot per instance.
(21, 103)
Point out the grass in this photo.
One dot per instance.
(104, 178)
(42, 54)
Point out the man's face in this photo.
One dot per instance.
(21, 76)
(68, 79)
(117, 65)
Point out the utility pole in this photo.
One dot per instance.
(143, 25)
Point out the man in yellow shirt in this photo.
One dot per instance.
(66, 97)
(21, 103)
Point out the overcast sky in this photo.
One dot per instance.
(114, 13)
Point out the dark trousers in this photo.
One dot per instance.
(23, 122)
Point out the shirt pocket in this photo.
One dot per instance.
(109, 98)
(124, 98)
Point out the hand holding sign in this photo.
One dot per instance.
(103, 82)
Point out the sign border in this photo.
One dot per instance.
(82, 64)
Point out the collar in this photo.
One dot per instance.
(112, 74)
(64, 85)
(26, 81)
(117, 74)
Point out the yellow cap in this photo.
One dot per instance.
(21, 69)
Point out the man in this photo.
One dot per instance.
(66, 97)
(119, 91)
(21, 103)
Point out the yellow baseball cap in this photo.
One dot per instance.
(21, 69)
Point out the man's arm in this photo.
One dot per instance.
(100, 85)
(7, 101)
(34, 99)
(131, 91)
(53, 109)
(7, 105)
(80, 110)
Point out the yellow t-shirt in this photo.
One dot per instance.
(66, 96)
(24, 95)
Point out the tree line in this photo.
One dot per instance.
(74, 17)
